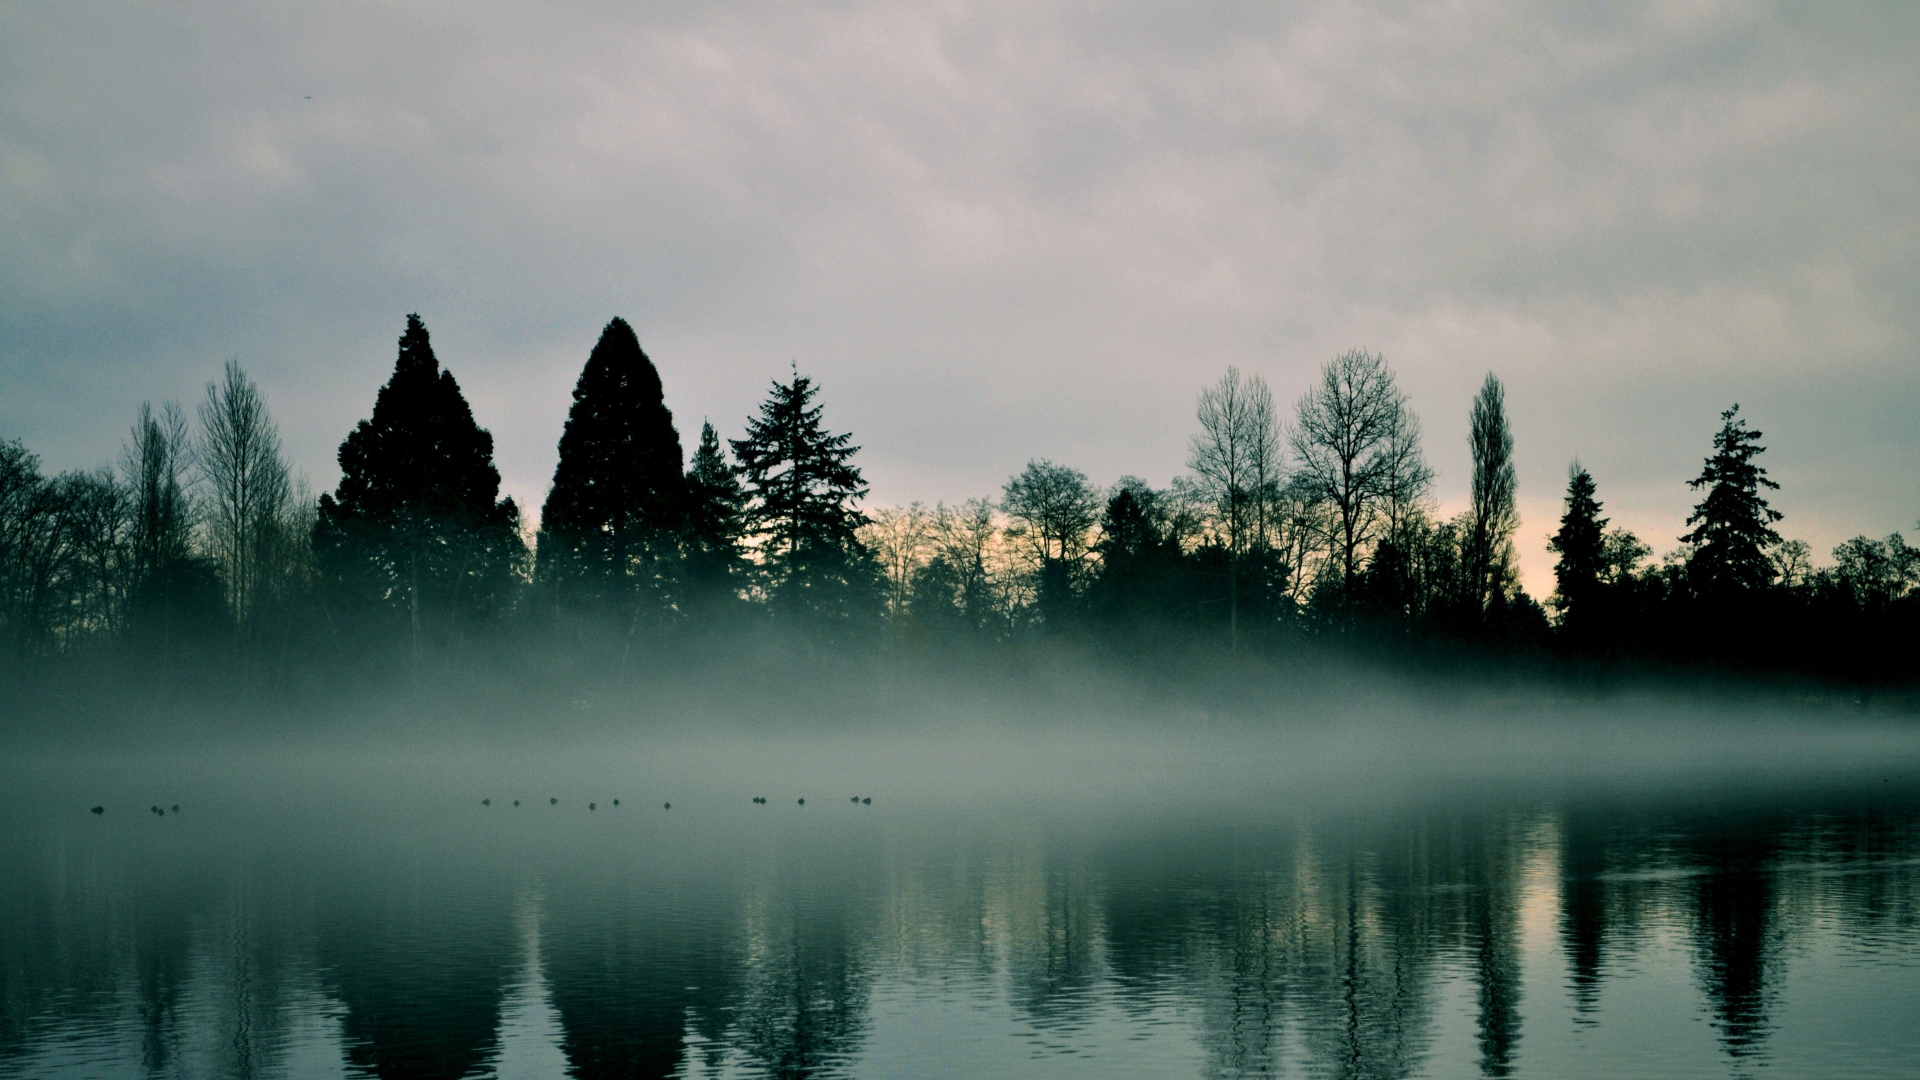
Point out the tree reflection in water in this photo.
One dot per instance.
(1323, 945)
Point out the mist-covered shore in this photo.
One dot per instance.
(1301, 559)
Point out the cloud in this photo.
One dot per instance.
(994, 231)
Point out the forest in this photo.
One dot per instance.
(200, 554)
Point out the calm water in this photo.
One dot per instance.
(313, 915)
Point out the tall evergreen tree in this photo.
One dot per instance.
(1581, 545)
(417, 523)
(803, 485)
(1733, 525)
(609, 527)
(716, 505)
(1140, 561)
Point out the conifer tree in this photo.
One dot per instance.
(802, 486)
(715, 507)
(1581, 545)
(1733, 525)
(417, 522)
(1140, 561)
(608, 529)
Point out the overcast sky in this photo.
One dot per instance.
(991, 231)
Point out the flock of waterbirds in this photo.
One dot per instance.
(758, 800)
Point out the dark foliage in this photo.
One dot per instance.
(715, 522)
(802, 485)
(416, 552)
(416, 530)
(1580, 544)
(609, 529)
(1733, 525)
(1144, 577)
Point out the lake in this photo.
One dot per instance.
(1654, 897)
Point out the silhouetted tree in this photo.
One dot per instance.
(900, 538)
(933, 601)
(1341, 441)
(1489, 556)
(609, 529)
(1733, 525)
(802, 485)
(417, 525)
(157, 461)
(1141, 564)
(1581, 545)
(1858, 619)
(172, 589)
(1875, 573)
(248, 487)
(93, 581)
(1235, 459)
(716, 506)
(1406, 482)
(962, 537)
(30, 550)
(1053, 508)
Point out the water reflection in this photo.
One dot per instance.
(1502, 940)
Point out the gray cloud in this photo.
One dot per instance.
(993, 231)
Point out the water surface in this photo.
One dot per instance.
(1019, 903)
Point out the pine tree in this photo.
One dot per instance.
(416, 522)
(1139, 562)
(1581, 546)
(607, 531)
(803, 486)
(715, 507)
(1733, 525)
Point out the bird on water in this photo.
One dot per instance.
(669, 806)
(553, 802)
(99, 809)
(486, 802)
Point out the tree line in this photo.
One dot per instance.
(1311, 524)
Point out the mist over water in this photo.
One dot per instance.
(1062, 877)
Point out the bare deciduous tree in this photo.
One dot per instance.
(1792, 562)
(1235, 458)
(1406, 481)
(247, 488)
(1342, 447)
(99, 518)
(900, 538)
(965, 537)
(1053, 510)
